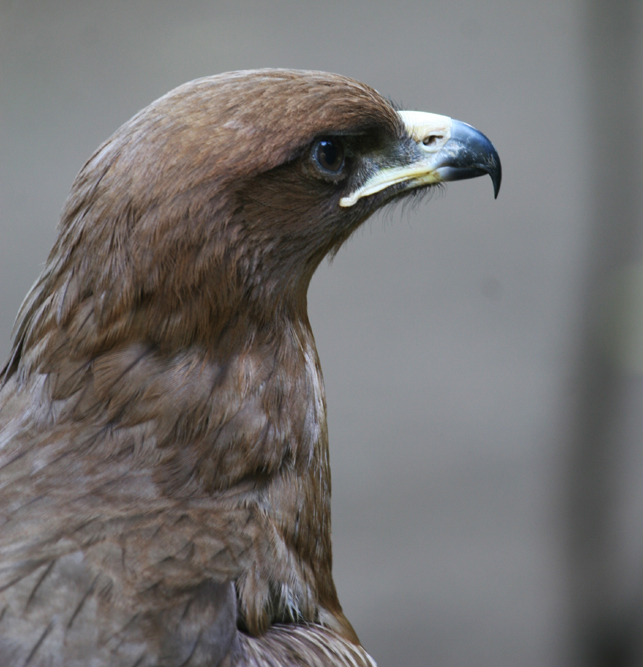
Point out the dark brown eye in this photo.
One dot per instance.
(431, 140)
(329, 154)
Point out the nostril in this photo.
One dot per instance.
(431, 139)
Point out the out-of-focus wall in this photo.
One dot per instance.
(446, 332)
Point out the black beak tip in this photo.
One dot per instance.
(489, 161)
(496, 175)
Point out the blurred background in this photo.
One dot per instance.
(483, 359)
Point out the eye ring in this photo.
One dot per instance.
(329, 155)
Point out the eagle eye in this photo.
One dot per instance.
(329, 155)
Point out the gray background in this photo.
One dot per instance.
(450, 334)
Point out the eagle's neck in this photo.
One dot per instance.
(244, 429)
(235, 417)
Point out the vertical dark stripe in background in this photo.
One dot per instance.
(604, 571)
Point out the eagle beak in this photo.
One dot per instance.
(446, 150)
